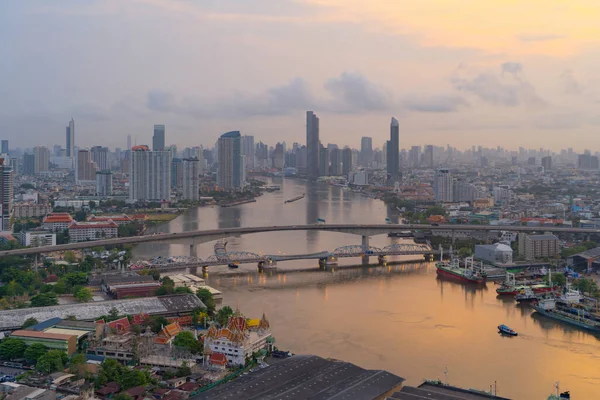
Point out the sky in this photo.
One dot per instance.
(461, 72)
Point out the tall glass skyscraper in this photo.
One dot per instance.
(231, 171)
(393, 152)
(158, 140)
(312, 145)
(70, 141)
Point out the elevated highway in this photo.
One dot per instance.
(193, 238)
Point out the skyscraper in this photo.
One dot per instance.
(4, 147)
(347, 161)
(6, 195)
(312, 145)
(191, 182)
(104, 185)
(335, 161)
(547, 163)
(366, 151)
(100, 157)
(70, 143)
(149, 174)
(443, 186)
(231, 171)
(41, 162)
(428, 156)
(393, 152)
(85, 169)
(248, 150)
(128, 142)
(28, 164)
(158, 140)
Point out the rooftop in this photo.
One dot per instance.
(93, 224)
(439, 391)
(41, 335)
(57, 217)
(542, 237)
(307, 376)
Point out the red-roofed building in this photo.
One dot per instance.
(121, 325)
(117, 219)
(83, 231)
(57, 222)
(168, 333)
(217, 360)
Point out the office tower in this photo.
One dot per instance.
(128, 142)
(346, 161)
(531, 161)
(6, 196)
(158, 140)
(42, 157)
(443, 186)
(278, 156)
(301, 166)
(176, 172)
(85, 168)
(191, 182)
(100, 157)
(4, 147)
(149, 175)
(393, 152)
(414, 156)
(57, 150)
(248, 150)
(547, 163)
(312, 145)
(335, 161)
(104, 186)
(366, 151)
(231, 171)
(587, 161)
(70, 142)
(28, 164)
(428, 156)
(323, 161)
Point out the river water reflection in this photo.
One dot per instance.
(398, 317)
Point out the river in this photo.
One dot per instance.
(399, 317)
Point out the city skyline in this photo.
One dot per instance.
(524, 82)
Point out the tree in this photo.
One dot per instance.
(113, 314)
(70, 257)
(558, 280)
(133, 377)
(183, 290)
(187, 340)
(465, 252)
(157, 323)
(80, 216)
(77, 365)
(12, 348)
(34, 352)
(84, 295)
(110, 371)
(92, 204)
(207, 298)
(122, 396)
(29, 322)
(223, 315)
(52, 361)
(44, 300)
(60, 287)
(184, 370)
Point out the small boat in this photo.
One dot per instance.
(526, 295)
(233, 265)
(506, 330)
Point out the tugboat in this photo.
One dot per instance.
(509, 287)
(526, 295)
(506, 330)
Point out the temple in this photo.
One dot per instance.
(238, 341)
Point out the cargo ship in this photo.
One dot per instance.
(548, 308)
(453, 270)
(293, 199)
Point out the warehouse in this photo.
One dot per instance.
(55, 341)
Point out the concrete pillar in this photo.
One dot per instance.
(193, 250)
(365, 242)
(487, 237)
(453, 236)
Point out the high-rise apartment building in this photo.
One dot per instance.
(158, 140)
(104, 184)
(547, 163)
(443, 186)
(312, 145)
(128, 142)
(28, 164)
(41, 159)
(6, 196)
(85, 169)
(335, 162)
(346, 161)
(4, 147)
(414, 156)
(393, 152)
(191, 181)
(177, 173)
(323, 161)
(366, 151)
(100, 157)
(70, 141)
(231, 171)
(278, 156)
(248, 151)
(149, 175)
(428, 156)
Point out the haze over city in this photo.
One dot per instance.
(457, 72)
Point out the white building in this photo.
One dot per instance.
(57, 222)
(191, 180)
(6, 195)
(149, 174)
(443, 186)
(239, 339)
(360, 178)
(104, 184)
(83, 231)
(37, 238)
(28, 210)
(497, 253)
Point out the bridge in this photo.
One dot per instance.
(192, 238)
(223, 257)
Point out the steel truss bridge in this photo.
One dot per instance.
(246, 257)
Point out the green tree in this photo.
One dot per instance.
(12, 348)
(465, 252)
(80, 216)
(34, 352)
(122, 396)
(110, 371)
(207, 298)
(113, 314)
(70, 257)
(184, 370)
(84, 295)
(157, 322)
(75, 278)
(44, 300)
(187, 340)
(29, 322)
(60, 287)
(77, 365)
(183, 290)
(52, 361)
(558, 280)
(223, 315)
(134, 377)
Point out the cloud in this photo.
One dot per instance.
(540, 38)
(570, 84)
(159, 100)
(438, 104)
(509, 89)
(352, 92)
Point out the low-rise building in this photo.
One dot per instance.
(57, 222)
(37, 238)
(57, 341)
(121, 286)
(29, 210)
(497, 253)
(82, 231)
(538, 246)
(117, 219)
